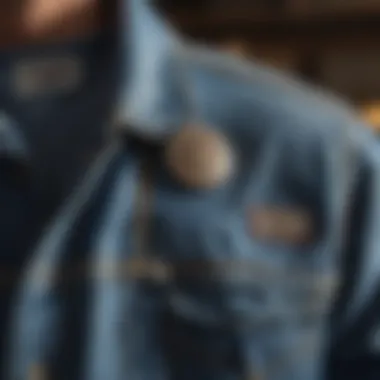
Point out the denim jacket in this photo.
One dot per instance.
(140, 277)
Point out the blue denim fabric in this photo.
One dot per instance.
(61, 130)
(47, 142)
(191, 294)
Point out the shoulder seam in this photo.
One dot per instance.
(242, 69)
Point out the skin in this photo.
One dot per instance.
(24, 22)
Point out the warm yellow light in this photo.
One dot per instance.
(371, 114)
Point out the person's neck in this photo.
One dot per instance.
(48, 21)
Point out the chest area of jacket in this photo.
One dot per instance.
(212, 260)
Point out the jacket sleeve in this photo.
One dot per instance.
(356, 317)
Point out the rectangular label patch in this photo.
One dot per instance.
(283, 225)
(37, 77)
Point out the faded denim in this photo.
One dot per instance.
(188, 293)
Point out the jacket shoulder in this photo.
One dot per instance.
(302, 129)
(253, 92)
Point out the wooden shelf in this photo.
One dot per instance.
(216, 22)
(303, 36)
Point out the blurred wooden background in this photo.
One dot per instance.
(335, 43)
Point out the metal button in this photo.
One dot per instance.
(199, 157)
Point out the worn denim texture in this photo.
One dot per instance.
(186, 292)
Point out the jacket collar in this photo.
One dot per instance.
(153, 99)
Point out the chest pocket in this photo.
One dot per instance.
(247, 311)
(235, 299)
(249, 292)
(225, 277)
